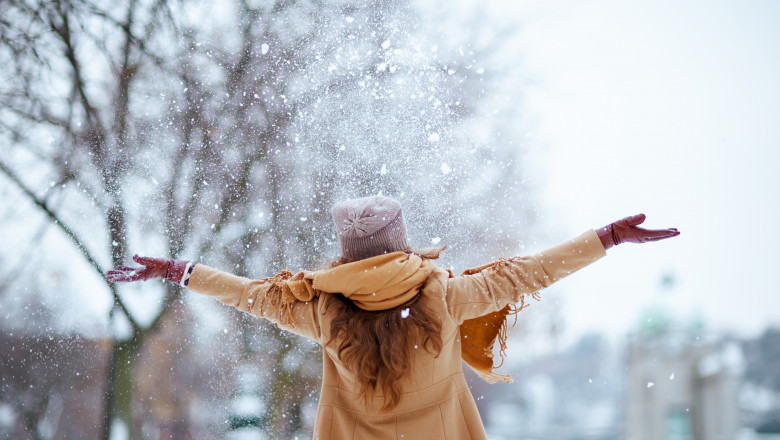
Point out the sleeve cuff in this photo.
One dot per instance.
(185, 279)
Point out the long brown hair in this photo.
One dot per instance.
(377, 347)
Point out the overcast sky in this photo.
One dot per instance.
(668, 108)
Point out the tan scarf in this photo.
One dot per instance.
(390, 280)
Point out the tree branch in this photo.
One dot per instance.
(72, 236)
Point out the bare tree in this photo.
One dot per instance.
(225, 132)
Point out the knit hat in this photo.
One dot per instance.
(369, 226)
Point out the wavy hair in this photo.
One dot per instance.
(378, 347)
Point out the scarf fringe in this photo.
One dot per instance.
(494, 377)
(503, 330)
(502, 333)
(280, 296)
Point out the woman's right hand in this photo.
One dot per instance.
(151, 268)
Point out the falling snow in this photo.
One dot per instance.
(238, 136)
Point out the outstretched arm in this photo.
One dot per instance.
(490, 287)
(242, 293)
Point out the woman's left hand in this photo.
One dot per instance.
(627, 231)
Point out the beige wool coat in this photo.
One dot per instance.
(436, 403)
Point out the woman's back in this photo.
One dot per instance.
(435, 401)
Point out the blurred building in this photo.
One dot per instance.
(52, 386)
(681, 384)
(670, 381)
(760, 393)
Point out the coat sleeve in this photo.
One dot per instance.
(491, 287)
(249, 296)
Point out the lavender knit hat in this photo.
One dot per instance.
(369, 226)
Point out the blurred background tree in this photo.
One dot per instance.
(222, 133)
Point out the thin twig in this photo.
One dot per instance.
(73, 237)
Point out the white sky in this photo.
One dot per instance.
(668, 108)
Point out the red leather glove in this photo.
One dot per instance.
(171, 270)
(626, 231)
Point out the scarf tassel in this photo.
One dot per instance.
(496, 330)
(280, 296)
